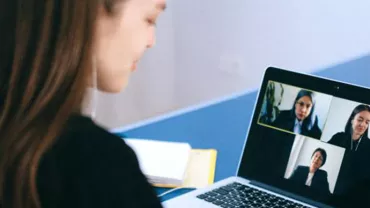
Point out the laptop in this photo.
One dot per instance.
(299, 149)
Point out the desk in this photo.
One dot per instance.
(223, 124)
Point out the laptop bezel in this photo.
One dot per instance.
(302, 80)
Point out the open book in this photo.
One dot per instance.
(174, 164)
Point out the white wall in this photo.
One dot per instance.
(295, 152)
(301, 35)
(333, 160)
(246, 37)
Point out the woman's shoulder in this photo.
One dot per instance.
(83, 141)
(81, 130)
(342, 133)
(338, 135)
(88, 158)
(366, 137)
(366, 141)
(322, 172)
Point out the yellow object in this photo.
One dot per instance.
(200, 171)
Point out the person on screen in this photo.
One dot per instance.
(355, 140)
(301, 118)
(355, 135)
(312, 175)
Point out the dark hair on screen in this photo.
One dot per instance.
(358, 109)
(323, 153)
(45, 62)
(309, 122)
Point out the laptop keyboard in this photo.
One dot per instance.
(237, 195)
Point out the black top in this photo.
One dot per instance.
(319, 180)
(354, 169)
(286, 120)
(342, 139)
(89, 167)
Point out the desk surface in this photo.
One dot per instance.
(223, 125)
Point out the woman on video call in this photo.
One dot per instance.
(355, 140)
(51, 52)
(301, 118)
(355, 135)
(312, 175)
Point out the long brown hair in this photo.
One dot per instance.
(45, 56)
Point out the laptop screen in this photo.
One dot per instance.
(308, 136)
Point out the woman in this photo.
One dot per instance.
(301, 118)
(313, 176)
(354, 139)
(50, 155)
(355, 135)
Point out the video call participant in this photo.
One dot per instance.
(355, 135)
(312, 175)
(355, 165)
(301, 118)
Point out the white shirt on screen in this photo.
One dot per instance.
(309, 179)
(297, 126)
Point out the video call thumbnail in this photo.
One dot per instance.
(345, 119)
(314, 164)
(295, 110)
(331, 148)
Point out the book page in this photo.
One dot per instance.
(161, 161)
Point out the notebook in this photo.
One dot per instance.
(174, 164)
